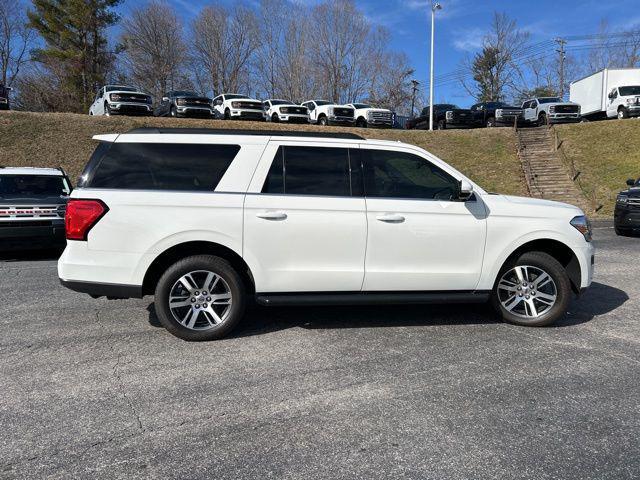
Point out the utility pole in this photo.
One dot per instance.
(435, 6)
(561, 43)
(415, 84)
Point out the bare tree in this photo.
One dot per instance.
(298, 82)
(16, 37)
(154, 48)
(391, 83)
(223, 45)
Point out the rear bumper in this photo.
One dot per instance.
(109, 290)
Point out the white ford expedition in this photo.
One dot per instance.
(232, 106)
(206, 219)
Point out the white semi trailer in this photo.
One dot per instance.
(609, 93)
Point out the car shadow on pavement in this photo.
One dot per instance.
(598, 300)
(31, 255)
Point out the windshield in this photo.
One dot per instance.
(322, 102)
(33, 185)
(626, 91)
(550, 100)
(446, 106)
(280, 102)
(113, 88)
(361, 105)
(185, 94)
(231, 97)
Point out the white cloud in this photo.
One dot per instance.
(469, 40)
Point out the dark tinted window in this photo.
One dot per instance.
(310, 171)
(403, 175)
(162, 166)
(33, 185)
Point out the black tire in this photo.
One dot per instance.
(543, 119)
(107, 110)
(361, 122)
(560, 278)
(322, 121)
(623, 113)
(275, 118)
(491, 122)
(210, 263)
(173, 112)
(227, 114)
(442, 125)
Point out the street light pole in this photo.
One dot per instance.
(434, 6)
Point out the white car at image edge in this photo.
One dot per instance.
(121, 100)
(206, 220)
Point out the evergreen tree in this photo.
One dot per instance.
(74, 34)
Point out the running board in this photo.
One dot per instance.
(371, 298)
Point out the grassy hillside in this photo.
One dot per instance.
(606, 153)
(53, 139)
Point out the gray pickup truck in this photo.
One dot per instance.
(32, 207)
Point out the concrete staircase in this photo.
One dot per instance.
(546, 175)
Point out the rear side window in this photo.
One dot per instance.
(392, 174)
(311, 171)
(161, 166)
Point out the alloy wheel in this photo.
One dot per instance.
(527, 292)
(200, 300)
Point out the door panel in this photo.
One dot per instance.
(419, 236)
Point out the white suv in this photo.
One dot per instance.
(285, 111)
(207, 219)
(232, 106)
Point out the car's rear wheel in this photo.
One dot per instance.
(532, 290)
(200, 298)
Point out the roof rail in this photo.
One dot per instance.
(264, 133)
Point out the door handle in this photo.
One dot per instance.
(391, 218)
(272, 215)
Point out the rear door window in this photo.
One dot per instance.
(314, 171)
(161, 166)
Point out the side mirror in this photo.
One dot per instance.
(9, 89)
(631, 182)
(165, 99)
(465, 190)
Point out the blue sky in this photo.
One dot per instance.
(461, 24)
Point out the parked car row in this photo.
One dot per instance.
(126, 100)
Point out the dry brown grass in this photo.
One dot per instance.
(64, 139)
(606, 153)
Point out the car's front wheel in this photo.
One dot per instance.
(322, 121)
(532, 290)
(623, 113)
(491, 122)
(200, 298)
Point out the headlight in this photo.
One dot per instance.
(622, 199)
(449, 115)
(631, 101)
(330, 110)
(235, 104)
(369, 114)
(181, 101)
(115, 97)
(552, 109)
(583, 225)
(284, 109)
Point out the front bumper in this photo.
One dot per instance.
(22, 236)
(120, 108)
(341, 121)
(194, 111)
(247, 115)
(626, 218)
(508, 120)
(293, 118)
(634, 110)
(372, 122)
(564, 117)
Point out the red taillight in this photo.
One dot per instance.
(81, 216)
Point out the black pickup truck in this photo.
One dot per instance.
(32, 208)
(627, 213)
(178, 103)
(445, 115)
(493, 114)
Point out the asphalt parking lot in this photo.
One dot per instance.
(96, 389)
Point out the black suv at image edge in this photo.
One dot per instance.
(627, 213)
(4, 97)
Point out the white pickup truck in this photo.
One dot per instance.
(367, 116)
(548, 110)
(323, 112)
(609, 93)
(232, 106)
(121, 100)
